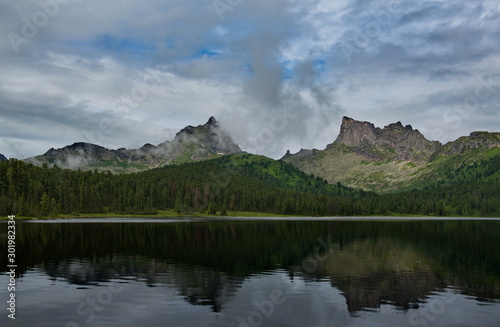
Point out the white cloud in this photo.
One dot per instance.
(182, 64)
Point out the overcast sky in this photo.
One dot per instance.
(277, 74)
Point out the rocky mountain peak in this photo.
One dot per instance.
(212, 121)
(200, 129)
(398, 126)
(394, 141)
(395, 156)
(354, 132)
(2, 157)
(475, 140)
(211, 135)
(148, 147)
(190, 144)
(78, 147)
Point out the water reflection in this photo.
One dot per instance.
(344, 269)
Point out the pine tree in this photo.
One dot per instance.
(212, 210)
(223, 210)
(178, 205)
(45, 205)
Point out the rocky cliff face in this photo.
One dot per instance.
(476, 140)
(396, 156)
(394, 142)
(190, 144)
(354, 133)
(211, 136)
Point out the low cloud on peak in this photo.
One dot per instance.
(278, 75)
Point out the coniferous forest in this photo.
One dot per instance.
(241, 182)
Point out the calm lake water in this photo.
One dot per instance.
(242, 273)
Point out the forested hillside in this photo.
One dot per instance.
(240, 182)
(228, 183)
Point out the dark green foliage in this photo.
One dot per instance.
(241, 182)
(223, 210)
(212, 210)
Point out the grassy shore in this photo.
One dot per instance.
(160, 214)
(169, 214)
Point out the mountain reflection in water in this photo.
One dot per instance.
(208, 263)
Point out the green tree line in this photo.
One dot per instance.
(233, 183)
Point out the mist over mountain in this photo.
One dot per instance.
(411, 175)
(192, 143)
(395, 157)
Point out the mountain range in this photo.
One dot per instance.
(192, 143)
(393, 158)
(367, 170)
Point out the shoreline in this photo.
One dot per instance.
(239, 216)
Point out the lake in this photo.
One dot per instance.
(254, 272)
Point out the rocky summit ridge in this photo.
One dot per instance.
(190, 144)
(395, 141)
(389, 158)
(393, 158)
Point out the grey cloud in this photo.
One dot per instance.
(64, 80)
(447, 74)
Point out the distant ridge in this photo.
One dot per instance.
(393, 158)
(390, 158)
(192, 143)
